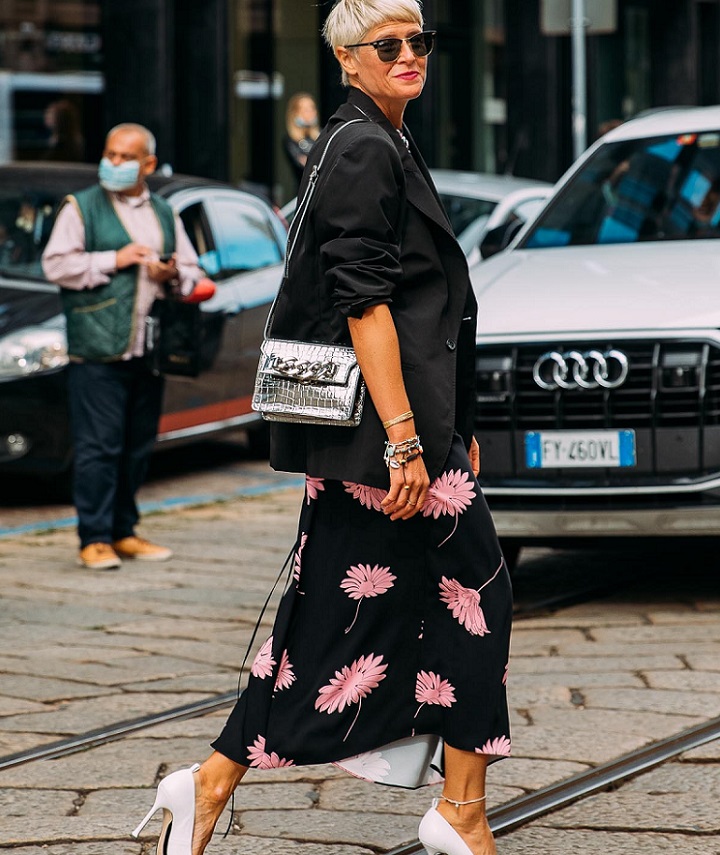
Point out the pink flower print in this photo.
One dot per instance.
(263, 663)
(465, 606)
(430, 688)
(297, 561)
(464, 603)
(365, 581)
(285, 675)
(369, 497)
(505, 675)
(370, 766)
(260, 759)
(313, 486)
(500, 747)
(450, 494)
(351, 685)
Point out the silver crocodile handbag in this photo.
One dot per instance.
(308, 382)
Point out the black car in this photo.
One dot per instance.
(240, 242)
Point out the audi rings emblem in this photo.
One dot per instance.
(574, 370)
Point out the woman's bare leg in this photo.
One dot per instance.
(215, 782)
(464, 781)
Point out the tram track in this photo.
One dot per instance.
(121, 729)
(526, 809)
(503, 819)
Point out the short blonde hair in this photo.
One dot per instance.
(351, 20)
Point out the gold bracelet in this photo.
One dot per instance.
(404, 417)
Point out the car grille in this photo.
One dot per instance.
(670, 398)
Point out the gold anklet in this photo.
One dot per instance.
(469, 802)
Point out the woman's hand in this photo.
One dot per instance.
(377, 347)
(475, 457)
(408, 489)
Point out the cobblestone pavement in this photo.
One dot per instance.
(81, 650)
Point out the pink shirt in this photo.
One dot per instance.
(66, 262)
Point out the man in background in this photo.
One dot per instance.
(114, 249)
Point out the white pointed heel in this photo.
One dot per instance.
(438, 836)
(176, 796)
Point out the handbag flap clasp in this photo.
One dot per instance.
(308, 363)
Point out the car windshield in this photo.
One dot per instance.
(26, 218)
(659, 188)
(463, 210)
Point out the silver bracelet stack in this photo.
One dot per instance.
(398, 454)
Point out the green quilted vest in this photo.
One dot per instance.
(101, 321)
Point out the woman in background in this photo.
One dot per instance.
(302, 129)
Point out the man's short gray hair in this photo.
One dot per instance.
(351, 20)
(150, 141)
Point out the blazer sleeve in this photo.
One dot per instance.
(357, 223)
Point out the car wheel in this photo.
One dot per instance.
(511, 551)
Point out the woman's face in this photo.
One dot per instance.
(389, 84)
(306, 111)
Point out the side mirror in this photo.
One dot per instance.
(204, 289)
(498, 238)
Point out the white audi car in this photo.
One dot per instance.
(598, 346)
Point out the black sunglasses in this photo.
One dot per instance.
(388, 50)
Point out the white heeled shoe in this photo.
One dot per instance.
(438, 836)
(176, 796)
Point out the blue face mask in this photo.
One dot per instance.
(118, 178)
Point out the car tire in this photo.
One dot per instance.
(511, 551)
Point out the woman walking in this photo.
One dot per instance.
(389, 652)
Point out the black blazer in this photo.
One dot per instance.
(376, 232)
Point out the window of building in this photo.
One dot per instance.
(275, 54)
(51, 81)
(638, 81)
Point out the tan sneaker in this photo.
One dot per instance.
(143, 550)
(99, 556)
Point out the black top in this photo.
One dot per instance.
(297, 152)
(377, 233)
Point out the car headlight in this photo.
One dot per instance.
(32, 350)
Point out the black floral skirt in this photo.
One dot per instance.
(391, 638)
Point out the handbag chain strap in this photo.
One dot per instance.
(299, 218)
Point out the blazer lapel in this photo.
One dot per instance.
(421, 191)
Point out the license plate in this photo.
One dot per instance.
(565, 449)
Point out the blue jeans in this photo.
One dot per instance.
(114, 414)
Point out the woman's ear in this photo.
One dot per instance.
(347, 60)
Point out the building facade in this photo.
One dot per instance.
(212, 79)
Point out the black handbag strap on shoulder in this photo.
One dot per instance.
(300, 214)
